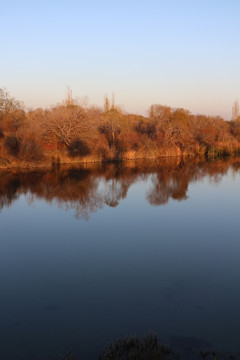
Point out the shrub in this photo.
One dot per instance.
(12, 145)
(78, 148)
(30, 150)
(137, 348)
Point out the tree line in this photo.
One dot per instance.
(73, 132)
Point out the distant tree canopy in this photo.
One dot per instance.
(73, 129)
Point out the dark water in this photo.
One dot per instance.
(90, 255)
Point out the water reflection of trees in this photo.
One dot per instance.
(86, 190)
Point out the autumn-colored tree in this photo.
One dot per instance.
(12, 113)
(65, 124)
(8, 103)
(111, 126)
(160, 113)
(77, 130)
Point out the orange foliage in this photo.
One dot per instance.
(75, 131)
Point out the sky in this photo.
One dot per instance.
(178, 53)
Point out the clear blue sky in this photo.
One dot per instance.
(173, 52)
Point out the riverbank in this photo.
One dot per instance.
(56, 159)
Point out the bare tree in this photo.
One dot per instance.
(111, 126)
(113, 100)
(159, 112)
(106, 104)
(12, 113)
(69, 99)
(235, 111)
(66, 124)
(8, 103)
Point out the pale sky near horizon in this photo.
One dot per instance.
(179, 53)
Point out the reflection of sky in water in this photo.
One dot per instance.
(172, 269)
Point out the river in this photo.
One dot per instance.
(92, 254)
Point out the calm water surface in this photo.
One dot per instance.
(90, 255)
